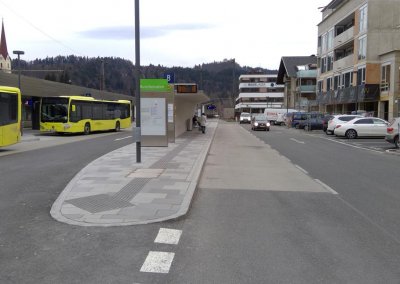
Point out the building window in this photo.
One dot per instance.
(347, 79)
(385, 78)
(361, 76)
(362, 48)
(336, 82)
(363, 18)
(319, 86)
(323, 64)
(324, 42)
(329, 65)
(328, 84)
(329, 39)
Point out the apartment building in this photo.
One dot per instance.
(299, 74)
(359, 57)
(258, 92)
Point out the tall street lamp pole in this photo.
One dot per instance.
(19, 53)
(137, 75)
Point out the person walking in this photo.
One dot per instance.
(202, 122)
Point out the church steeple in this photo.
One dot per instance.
(3, 42)
(5, 59)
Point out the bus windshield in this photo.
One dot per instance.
(54, 110)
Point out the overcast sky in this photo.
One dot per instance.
(256, 33)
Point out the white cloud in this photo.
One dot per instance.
(173, 33)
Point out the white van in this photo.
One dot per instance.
(276, 115)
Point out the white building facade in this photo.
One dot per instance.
(258, 92)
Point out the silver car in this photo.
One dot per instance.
(392, 132)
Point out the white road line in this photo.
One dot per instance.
(327, 187)
(351, 145)
(297, 141)
(158, 262)
(301, 169)
(168, 236)
(118, 139)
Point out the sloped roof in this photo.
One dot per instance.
(289, 65)
(3, 43)
(33, 87)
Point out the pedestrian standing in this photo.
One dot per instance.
(202, 122)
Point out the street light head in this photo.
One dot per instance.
(19, 52)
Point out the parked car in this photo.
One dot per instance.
(297, 117)
(245, 117)
(325, 121)
(392, 132)
(315, 123)
(362, 127)
(338, 119)
(260, 122)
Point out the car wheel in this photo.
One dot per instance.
(306, 128)
(297, 126)
(351, 134)
(86, 129)
(396, 141)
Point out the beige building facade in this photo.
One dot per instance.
(359, 57)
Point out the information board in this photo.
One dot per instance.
(153, 116)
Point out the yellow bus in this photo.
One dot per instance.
(10, 115)
(79, 114)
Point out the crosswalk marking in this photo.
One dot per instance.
(158, 262)
(168, 236)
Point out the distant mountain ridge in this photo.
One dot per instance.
(217, 79)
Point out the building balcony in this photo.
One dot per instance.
(344, 37)
(344, 62)
(307, 74)
(306, 89)
(353, 94)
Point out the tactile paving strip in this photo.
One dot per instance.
(104, 202)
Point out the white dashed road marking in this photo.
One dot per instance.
(158, 262)
(168, 236)
(118, 139)
(297, 141)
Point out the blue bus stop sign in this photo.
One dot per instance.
(170, 77)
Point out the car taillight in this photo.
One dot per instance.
(337, 126)
(390, 129)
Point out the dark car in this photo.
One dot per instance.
(297, 117)
(316, 123)
(260, 122)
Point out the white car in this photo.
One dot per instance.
(245, 117)
(362, 127)
(338, 119)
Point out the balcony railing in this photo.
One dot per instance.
(306, 88)
(344, 37)
(344, 62)
(354, 94)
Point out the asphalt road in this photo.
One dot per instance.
(34, 248)
(249, 235)
(231, 235)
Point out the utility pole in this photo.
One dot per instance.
(19, 53)
(102, 78)
(137, 75)
(233, 82)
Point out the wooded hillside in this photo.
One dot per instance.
(217, 79)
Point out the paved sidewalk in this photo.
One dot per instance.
(114, 190)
